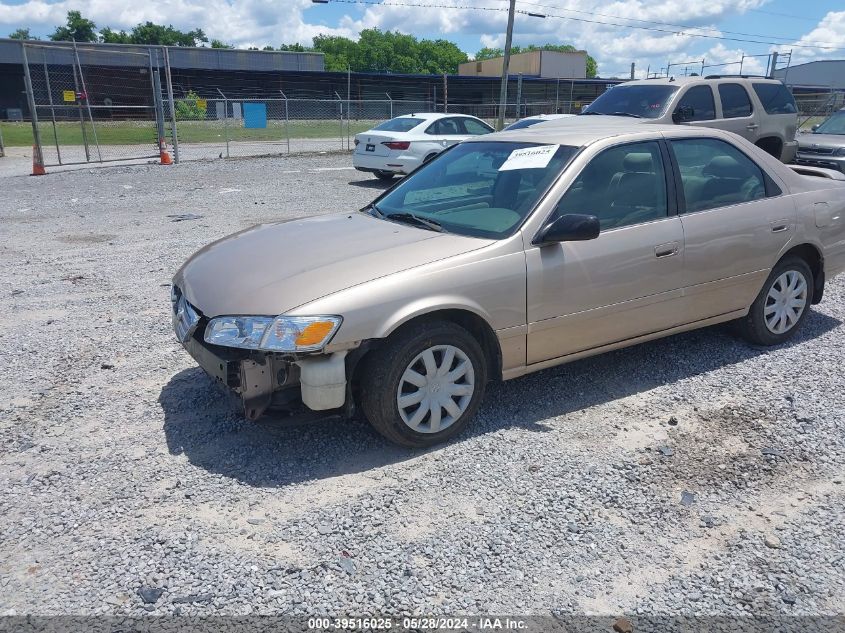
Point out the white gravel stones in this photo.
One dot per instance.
(124, 473)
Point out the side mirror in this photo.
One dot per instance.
(815, 127)
(572, 227)
(683, 114)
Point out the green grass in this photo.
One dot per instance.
(144, 132)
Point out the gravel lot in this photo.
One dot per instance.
(689, 475)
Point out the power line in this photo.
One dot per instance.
(685, 33)
(682, 26)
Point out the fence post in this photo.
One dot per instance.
(164, 157)
(225, 119)
(37, 166)
(287, 129)
(52, 109)
(87, 101)
(445, 93)
(340, 114)
(169, 80)
(557, 95)
(2, 149)
(519, 95)
(387, 94)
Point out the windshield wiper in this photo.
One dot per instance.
(586, 112)
(636, 116)
(404, 216)
(375, 211)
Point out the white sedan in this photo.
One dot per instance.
(402, 144)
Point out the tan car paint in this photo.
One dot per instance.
(546, 305)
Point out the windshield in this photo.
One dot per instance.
(834, 125)
(642, 100)
(483, 189)
(522, 124)
(401, 124)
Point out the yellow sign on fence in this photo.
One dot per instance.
(69, 95)
(202, 104)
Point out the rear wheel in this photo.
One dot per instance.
(782, 305)
(384, 175)
(424, 385)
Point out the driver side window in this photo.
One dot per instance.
(699, 103)
(621, 186)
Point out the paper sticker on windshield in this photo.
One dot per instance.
(529, 158)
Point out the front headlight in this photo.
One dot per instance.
(840, 151)
(280, 334)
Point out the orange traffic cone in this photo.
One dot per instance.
(37, 162)
(164, 155)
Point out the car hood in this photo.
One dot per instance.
(272, 268)
(822, 140)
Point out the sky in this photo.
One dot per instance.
(812, 29)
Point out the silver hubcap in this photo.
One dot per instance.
(785, 302)
(435, 389)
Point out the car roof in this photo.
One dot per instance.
(579, 131)
(431, 115)
(669, 81)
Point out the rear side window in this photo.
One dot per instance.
(735, 101)
(471, 126)
(403, 124)
(716, 174)
(775, 97)
(445, 126)
(700, 99)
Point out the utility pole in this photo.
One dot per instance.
(503, 94)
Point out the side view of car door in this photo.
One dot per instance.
(735, 218)
(625, 283)
(737, 111)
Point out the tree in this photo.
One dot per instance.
(489, 53)
(492, 53)
(339, 51)
(160, 35)
(77, 29)
(22, 34)
(440, 56)
(219, 44)
(108, 36)
(387, 52)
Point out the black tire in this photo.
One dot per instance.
(386, 176)
(385, 366)
(753, 326)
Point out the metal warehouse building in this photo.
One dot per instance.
(211, 72)
(818, 75)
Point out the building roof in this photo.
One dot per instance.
(11, 52)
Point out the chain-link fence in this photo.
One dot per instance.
(814, 107)
(88, 105)
(83, 110)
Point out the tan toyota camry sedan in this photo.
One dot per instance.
(505, 255)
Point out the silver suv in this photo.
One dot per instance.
(758, 109)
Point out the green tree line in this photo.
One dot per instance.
(374, 51)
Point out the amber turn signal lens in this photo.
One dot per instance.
(314, 333)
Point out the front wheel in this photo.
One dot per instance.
(424, 385)
(782, 305)
(386, 176)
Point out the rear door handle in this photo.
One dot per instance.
(779, 226)
(751, 126)
(666, 250)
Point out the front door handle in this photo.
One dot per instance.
(666, 250)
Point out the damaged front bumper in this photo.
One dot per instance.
(264, 379)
